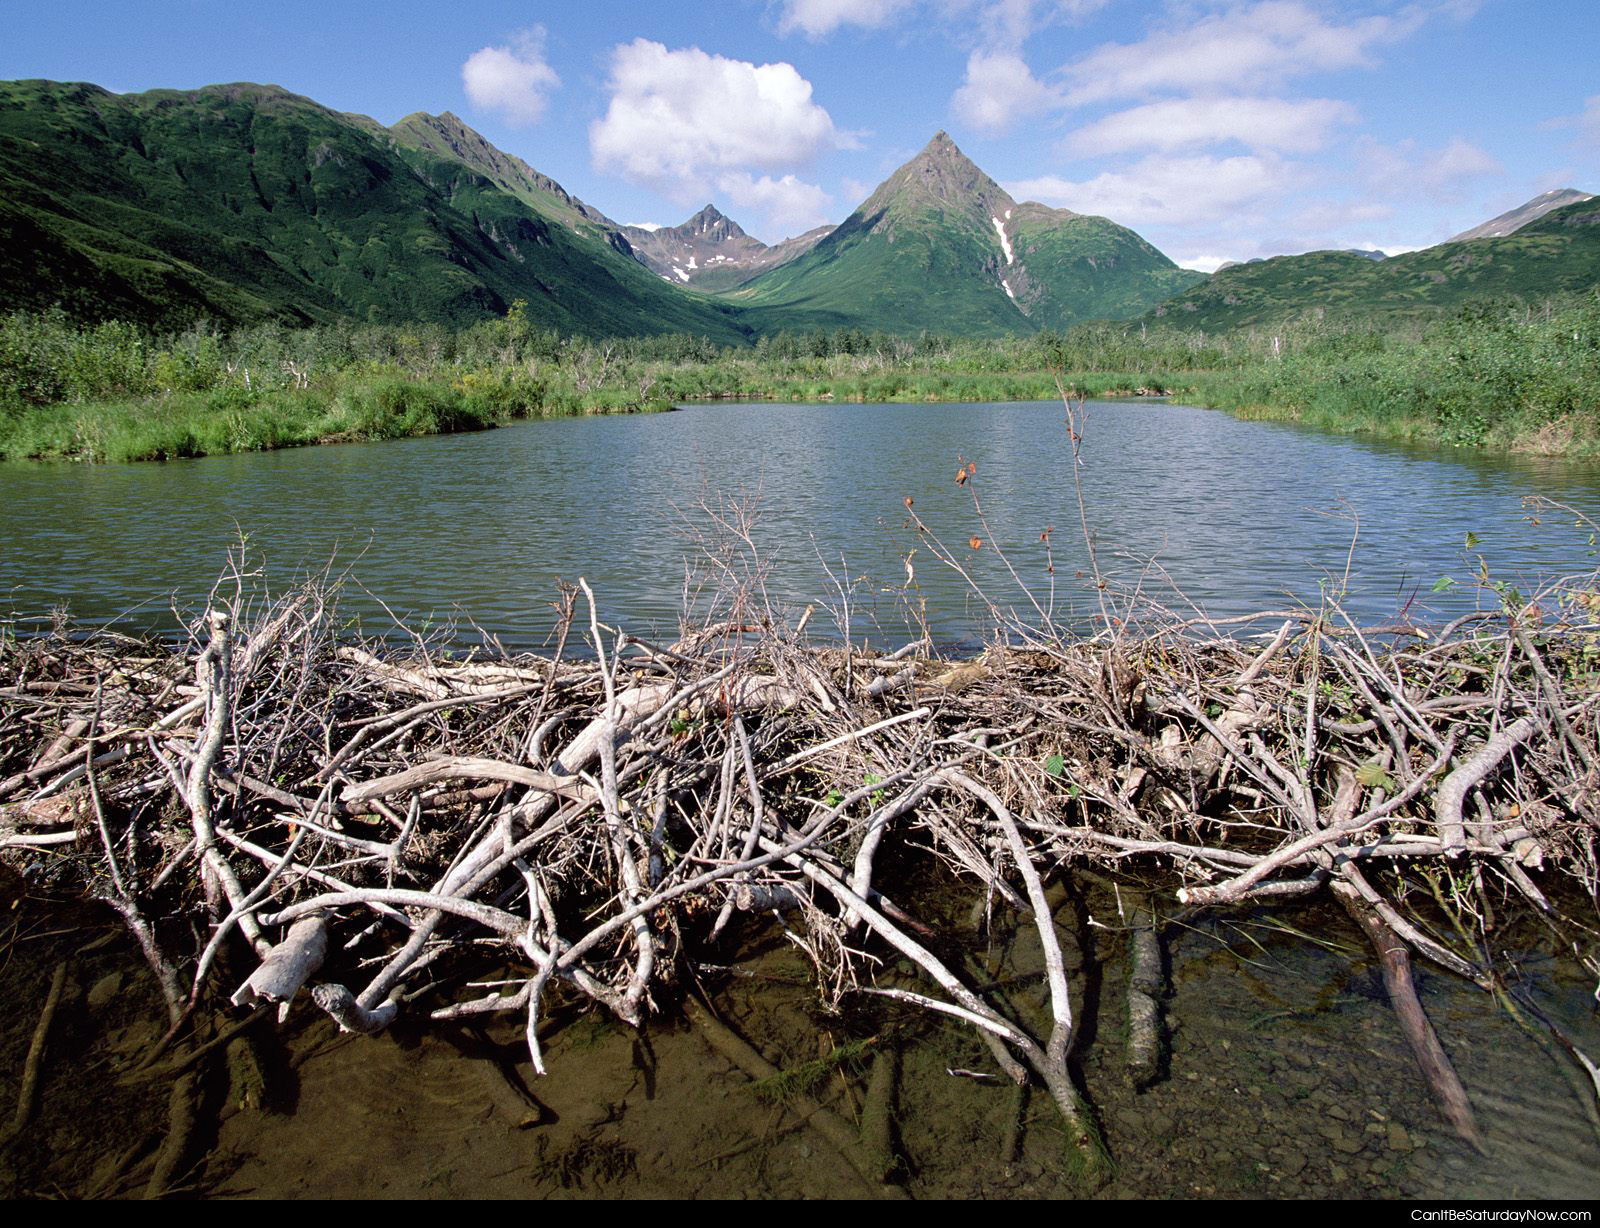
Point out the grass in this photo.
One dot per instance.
(1505, 377)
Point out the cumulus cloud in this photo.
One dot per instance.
(791, 206)
(816, 18)
(1000, 89)
(513, 80)
(678, 119)
(1278, 124)
(1243, 48)
(1167, 191)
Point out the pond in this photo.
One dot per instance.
(1194, 505)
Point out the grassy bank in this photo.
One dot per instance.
(1503, 378)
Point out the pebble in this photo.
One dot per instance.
(103, 991)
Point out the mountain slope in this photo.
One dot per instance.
(940, 246)
(1073, 267)
(1559, 253)
(245, 202)
(1528, 212)
(445, 136)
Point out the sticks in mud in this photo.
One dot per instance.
(395, 822)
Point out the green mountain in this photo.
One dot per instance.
(1557, 253)
(941, 246)
(246, 202)
(445, 136)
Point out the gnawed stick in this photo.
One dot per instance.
(287, 966)
(877, 1113)
(1394, 958)
(1453, 790)
(33, 1066)
(1144, 999)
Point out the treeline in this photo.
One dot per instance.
(1503, 375)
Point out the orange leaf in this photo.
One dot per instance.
(908, 500)
(961, 477)
(976, 543)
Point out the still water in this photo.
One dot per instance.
(1197, 506)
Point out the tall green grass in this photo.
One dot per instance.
(1504, 376)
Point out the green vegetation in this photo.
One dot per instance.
(788, 1085)
(1557, 254)
(924, 252)
(1506, 377)
(112, 392)
(247, 203)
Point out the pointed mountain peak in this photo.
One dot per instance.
(445, 133)
(940, 178)
(711, 223)
(942, 150)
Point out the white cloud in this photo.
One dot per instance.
(679, 119)
(816, 18)
(1000, 89)
(1205, 262)
(1243, 48)
(1589, 121)
(1276, 124)
(995, 24)
(1586, 122)
(1167, 191)
(1443, 174)
(1007, 24)
(512, 80)
(791, 206)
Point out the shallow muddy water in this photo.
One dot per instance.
(1286, 1077)
(1235, 515)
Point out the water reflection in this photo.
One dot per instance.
(1236, 515)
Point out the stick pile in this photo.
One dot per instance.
(382, 827)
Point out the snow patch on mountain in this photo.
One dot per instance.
(1005, 240)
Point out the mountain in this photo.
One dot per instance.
(445, 136)
(711, 251)
(1558, 253)
(1515, 219)
(246, 202)
(940, 246)
(1371, 253)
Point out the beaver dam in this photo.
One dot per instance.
(856, 915)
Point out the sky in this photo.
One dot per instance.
(1218, 131)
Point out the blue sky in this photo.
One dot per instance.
(1217, 130)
